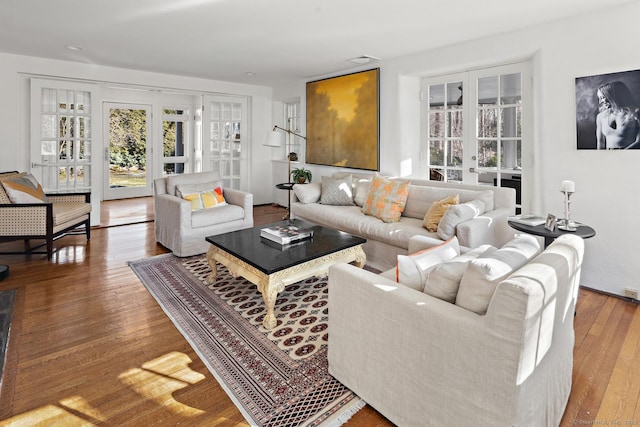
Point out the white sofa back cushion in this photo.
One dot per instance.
(484, 273)
(443, 280)
(411, 269)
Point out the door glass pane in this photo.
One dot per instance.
(454, 175)
(127, 147)
(436, 149)
(48, 126)
(454, 93)
(487, 154)
(436, 123)
(488, 123)
(488, 91)
(454, 153)
(511, 155)
(510, 89)
(454, 122)
(510, 122)
(436, 96)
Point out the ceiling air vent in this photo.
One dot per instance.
(363, 59)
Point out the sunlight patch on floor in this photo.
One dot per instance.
(158, 379)
(155, 380)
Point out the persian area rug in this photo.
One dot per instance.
(276, 378)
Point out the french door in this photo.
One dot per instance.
(226, 139)
(62, 131)
(128, 152)
(476, 127)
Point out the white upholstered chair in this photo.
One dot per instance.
(183, 230)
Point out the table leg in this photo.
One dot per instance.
(361, 257)
(270, 293)
(211, 278)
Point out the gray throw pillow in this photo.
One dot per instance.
(337, 191)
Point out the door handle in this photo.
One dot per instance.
(473, 170)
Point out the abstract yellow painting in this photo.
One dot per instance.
(343, 121)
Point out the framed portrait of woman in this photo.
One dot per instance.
(608, 111)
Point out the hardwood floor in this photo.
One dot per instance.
(90, 346)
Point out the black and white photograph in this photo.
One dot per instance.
(607, 111)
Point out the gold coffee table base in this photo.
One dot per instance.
(270, 285)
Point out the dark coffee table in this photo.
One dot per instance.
(271, 266)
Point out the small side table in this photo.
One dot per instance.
(287, 186)
(582, 230)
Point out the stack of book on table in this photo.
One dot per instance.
(286, 235)
(528, 219)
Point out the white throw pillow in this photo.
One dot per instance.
(308, 193)
(457, 214)
(442, 281)
(483, 274)
(410, 269)
(361, 190)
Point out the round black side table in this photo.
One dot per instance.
(4, 272)
(287, 186)
(582, 230)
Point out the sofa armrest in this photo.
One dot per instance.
(25, 219)
(489, 228)
(419, 243)
(172, 210)
(240, 198)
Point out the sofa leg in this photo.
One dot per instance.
(87, 227)
(49, 248)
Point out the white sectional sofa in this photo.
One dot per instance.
(423, 361)
(387, 240)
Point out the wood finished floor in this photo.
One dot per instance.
(90, 346)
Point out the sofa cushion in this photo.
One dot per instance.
(337, 191)
(351, 220)
(215, 216)
(457, 214)
(421, 197)
(410, 269)
(308, 193)
(437, 210)
(443, 280)
(69, 211)
(484, 273)
(24, 189)
(386, 199)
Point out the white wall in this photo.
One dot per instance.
(559, 52)
(14, 109)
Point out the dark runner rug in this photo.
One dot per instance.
(7, 300)
(275, 378)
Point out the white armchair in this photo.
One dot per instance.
(182, 230)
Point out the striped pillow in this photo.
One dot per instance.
(24, 189)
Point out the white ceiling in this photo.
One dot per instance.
(278, 40)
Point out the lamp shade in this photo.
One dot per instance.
(273, 139)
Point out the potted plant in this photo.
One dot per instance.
(300, 175)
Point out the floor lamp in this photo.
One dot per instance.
(274, 139)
